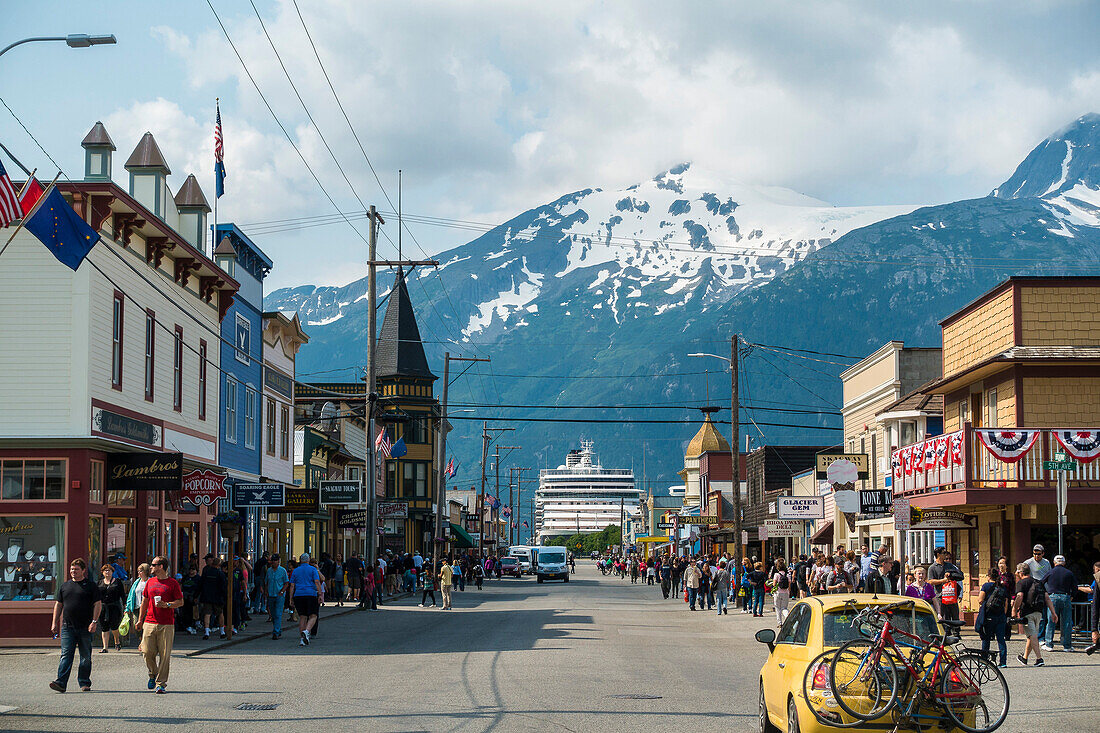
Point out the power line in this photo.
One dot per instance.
(624, 421)
(808, 351)
(799, 356)
(788, 376)
(642, 406)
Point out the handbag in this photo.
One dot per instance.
(741, 592)
(124, 627)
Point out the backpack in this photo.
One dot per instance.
(1035, 599)
(950, 594)
(784, 583)
(995, 603)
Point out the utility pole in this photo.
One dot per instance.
(371, 396)
(441, 480)
(517, 504)
(622, 527)
(735, 464)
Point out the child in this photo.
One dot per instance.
(479, 575)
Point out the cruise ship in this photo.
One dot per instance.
(583, 496)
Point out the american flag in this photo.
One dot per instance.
(10, 210)
(219, 162)
(525, 525)
(382, 443)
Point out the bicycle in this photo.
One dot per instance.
(864, 676)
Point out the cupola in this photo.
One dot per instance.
(192, 207)
(98, 147)
(148, 175)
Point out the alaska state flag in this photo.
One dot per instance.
(65, 234)
(398, 449)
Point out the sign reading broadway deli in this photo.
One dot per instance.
(785, 527)
(145, 471)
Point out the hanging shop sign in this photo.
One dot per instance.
(875, 501)
(144, 471)
(858, 460)
(942, 519)
(703, 519)
(785, 527)
(300, 500)
(122, 426)
(393, 510)
(351, 518)
(203, 488)
(341, 492)
(801, 507)
(258, 495)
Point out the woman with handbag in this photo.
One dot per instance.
(112, 594)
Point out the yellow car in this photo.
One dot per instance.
(814, 625)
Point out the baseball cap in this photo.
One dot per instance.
(1038, 548)
(1059, 559)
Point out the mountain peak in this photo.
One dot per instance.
(1068, 158)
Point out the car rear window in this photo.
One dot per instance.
(838, 628)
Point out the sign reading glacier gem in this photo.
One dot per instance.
(801, 507)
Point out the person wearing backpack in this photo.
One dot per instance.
(944, 574)
(993, 616)
(781, 596)
(1028, 606)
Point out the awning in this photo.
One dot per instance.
(461, 537)
(823, 536)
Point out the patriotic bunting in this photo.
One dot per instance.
(1083, 445)
(1008, 445)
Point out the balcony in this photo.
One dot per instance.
(959, 460)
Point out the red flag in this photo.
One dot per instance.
(31, 193)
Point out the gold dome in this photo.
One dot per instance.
(707, 439)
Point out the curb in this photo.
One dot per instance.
(242, 638)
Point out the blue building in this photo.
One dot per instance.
(241, 419)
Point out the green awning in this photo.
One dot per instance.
(460, 537)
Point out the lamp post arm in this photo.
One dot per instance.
(10, 46)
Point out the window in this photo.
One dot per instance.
(352, 473)
(416, 430)
(177, 372)
(963, 413)
(95, 540)
(34, 562)
(249, 418)
(991, 408)
(414, 479)
(95, 490)
(32, 480)
(230, 410)
(908, 433)
(202, 380)
(796, 629)
(116, 342)
(284, 433)
(243, 339)
(150, 352)
(270, 427)
(996, 540)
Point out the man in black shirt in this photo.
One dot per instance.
(212, 593)
(74, 616)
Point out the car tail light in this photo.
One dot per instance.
(821, 677)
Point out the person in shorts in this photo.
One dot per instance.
(305, 591)
(1030, 614)
(212, 593)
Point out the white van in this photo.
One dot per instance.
(523, 553)
(550, 562)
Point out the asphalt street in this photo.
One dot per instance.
(516, 656)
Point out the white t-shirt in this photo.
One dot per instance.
(1039, 569)
(418, 561)
(382, 564)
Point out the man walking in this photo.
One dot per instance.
(276, 580)
(1030, 602)
(212, 592)
(159, 601)
(1039, 567)
(75, 612)
(693, 576)
(721, 584)
(1060, 584)
(446, 578)
(305, 590)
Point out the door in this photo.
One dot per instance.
(782, 663)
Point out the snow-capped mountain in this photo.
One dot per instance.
(598, 297)
(653, 247)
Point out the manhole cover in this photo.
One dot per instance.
(257, 706)
(636, 697)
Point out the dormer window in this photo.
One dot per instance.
(148, 172)
(226, 263)
(98, 147)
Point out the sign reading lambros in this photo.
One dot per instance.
(145, 471)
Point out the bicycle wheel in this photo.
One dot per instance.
(818, 695)
(863, 687)
(974, 693)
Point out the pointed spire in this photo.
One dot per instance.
(147, 155)
(97, 137)
(190, 195)
(400, 350)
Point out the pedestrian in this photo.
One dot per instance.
(119, 569)
(354, 570)
(479, 574)
(919, 587)
(1093, 592)
(189, 614)
(633, 570)
(744, 590)
(944, 576)
(757, 579)
(133, 599)
(1031, 598)
(157, 622)
(212, 592)
(1039, 567)
(706, 587)
(259, 573)
(370, 589)
(305, 593)
(651, 574)
(781, 593)
(1060, 585)
(276, 580)
(446, 582)
(666, 579)
(112, 594)
(693, 578)
(722, 588)
(429, 588)
(993, 615)
(337, 580)
(240, 594)
(1008, 580)
(456, 572)
(75, 612)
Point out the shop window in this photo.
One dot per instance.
(32, 564)
(414, 479)
(964, 415)
(95, 483)
(391, 480)
(996, 541)
(95, 543)
(151, 541)
(120, 538)
(908, 433)
(121, 498)
(991, 408)
(32, 480)
(151, 498)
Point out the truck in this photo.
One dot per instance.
(523, 554)
(550, 562)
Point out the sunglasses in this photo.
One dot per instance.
(159, 565)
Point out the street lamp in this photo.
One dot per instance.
(73, 40)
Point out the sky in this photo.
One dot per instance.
(490, 108)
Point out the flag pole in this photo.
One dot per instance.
(214, 231)
(32, 212)
(30, 177)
